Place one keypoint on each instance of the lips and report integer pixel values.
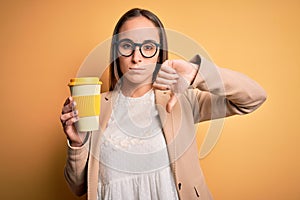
(136, 68)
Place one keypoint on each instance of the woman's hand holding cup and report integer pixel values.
(68, 118)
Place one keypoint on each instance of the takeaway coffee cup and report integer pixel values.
(86, 93)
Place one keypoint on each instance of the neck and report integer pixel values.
(135, 90)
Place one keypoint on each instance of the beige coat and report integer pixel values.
(215, 93)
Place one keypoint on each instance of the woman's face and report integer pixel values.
(136, 68)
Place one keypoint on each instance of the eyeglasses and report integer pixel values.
(148, 48)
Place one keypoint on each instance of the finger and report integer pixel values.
(160, 86)
(68, 100)
(167, 75)
(69, 107)
(164, 81)
(167, 67)
(172, 101)
(65, 117)
(71, 121)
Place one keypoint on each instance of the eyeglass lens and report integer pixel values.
(148, 48)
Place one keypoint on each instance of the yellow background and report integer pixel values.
(43, 43)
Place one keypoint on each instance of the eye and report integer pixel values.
(149, 46)
(126, 45)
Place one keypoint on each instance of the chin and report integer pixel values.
(138, 79)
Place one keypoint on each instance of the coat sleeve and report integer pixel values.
(219, 92)
(76, 167)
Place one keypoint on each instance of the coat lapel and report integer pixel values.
(105, 113)
(161, 98)
(170, 121)
(106, 109)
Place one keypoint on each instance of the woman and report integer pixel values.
(146, 146)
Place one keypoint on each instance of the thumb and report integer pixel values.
(172, 101)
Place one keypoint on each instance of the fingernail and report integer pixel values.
(74, 104)
(75, 112)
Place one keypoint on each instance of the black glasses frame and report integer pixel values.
(134, 45)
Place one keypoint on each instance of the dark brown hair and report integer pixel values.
(114, 68)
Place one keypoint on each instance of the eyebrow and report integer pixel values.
(145, 41)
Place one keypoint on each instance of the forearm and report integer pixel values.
(76, 168)
(237, 92)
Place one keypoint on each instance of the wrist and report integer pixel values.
(76, 144)
(193, 73)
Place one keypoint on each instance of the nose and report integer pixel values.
(137, 56)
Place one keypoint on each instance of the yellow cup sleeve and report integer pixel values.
(87, 105)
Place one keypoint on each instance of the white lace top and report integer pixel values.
(134, 162)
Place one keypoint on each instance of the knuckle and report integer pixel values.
(62, 117)
(69, 122)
